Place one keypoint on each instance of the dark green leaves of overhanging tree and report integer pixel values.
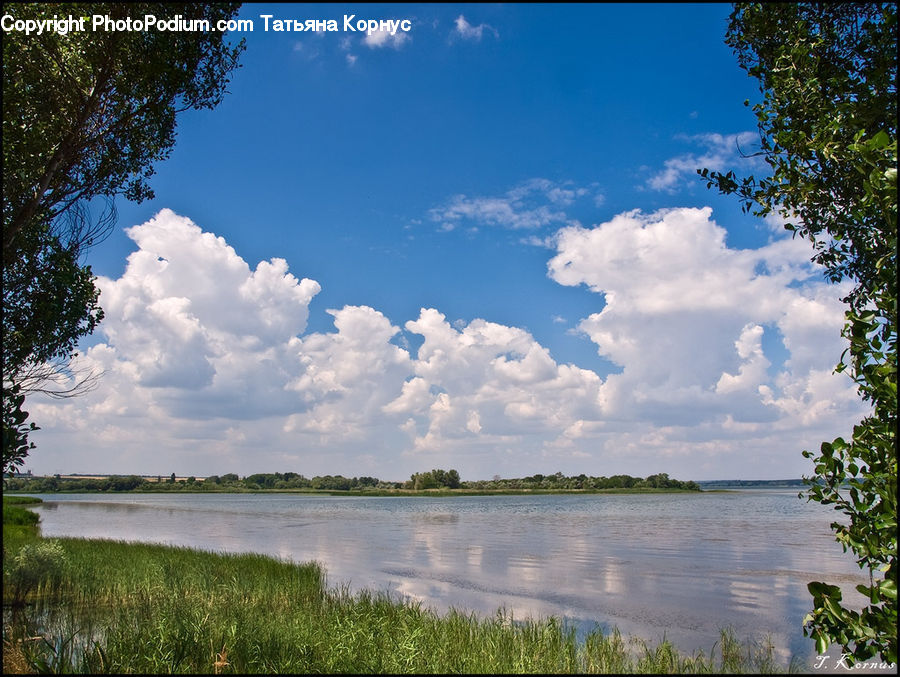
(85, 117)
(88, 114)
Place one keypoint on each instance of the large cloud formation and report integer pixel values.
(684, 318)
(207, 367)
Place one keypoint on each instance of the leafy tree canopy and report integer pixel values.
(828, 132)
(85, 117)
(88, 113)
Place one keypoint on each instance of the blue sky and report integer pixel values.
(501, 210)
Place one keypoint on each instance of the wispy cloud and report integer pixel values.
(719, 152)
(305, 50)
(385, 39)
(467, 31)
(533, 204)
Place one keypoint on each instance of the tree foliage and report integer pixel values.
(828, 132)
(15, 431)
(85, 117)
(88, 113)
(435, 478)
(420, 481)
(49, 303)
(581, 482)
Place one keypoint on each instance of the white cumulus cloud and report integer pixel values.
(208, 366)
(207, 362)
(685, 315)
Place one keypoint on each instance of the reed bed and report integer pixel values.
(15, 515)
(116, 607)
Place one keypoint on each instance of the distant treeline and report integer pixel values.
(226, 482)
(432, 479)
(752, 483)
(583, 482)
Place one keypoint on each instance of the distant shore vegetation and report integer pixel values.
(435, 481)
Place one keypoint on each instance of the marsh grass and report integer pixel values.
(14, 515)
(139, 608)
(19, 525)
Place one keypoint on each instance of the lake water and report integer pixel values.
(675, 565)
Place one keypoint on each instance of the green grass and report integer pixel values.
(20, 500)
(19, 522)
(18, 516)
(114, 607)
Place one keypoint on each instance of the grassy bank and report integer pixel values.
(20, 500)
(92, 606)
(19, 523)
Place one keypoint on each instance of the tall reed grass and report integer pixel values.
(115, 607)
(14, 514)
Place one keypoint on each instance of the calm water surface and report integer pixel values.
(679, 565)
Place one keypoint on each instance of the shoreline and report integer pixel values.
(397, 493)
